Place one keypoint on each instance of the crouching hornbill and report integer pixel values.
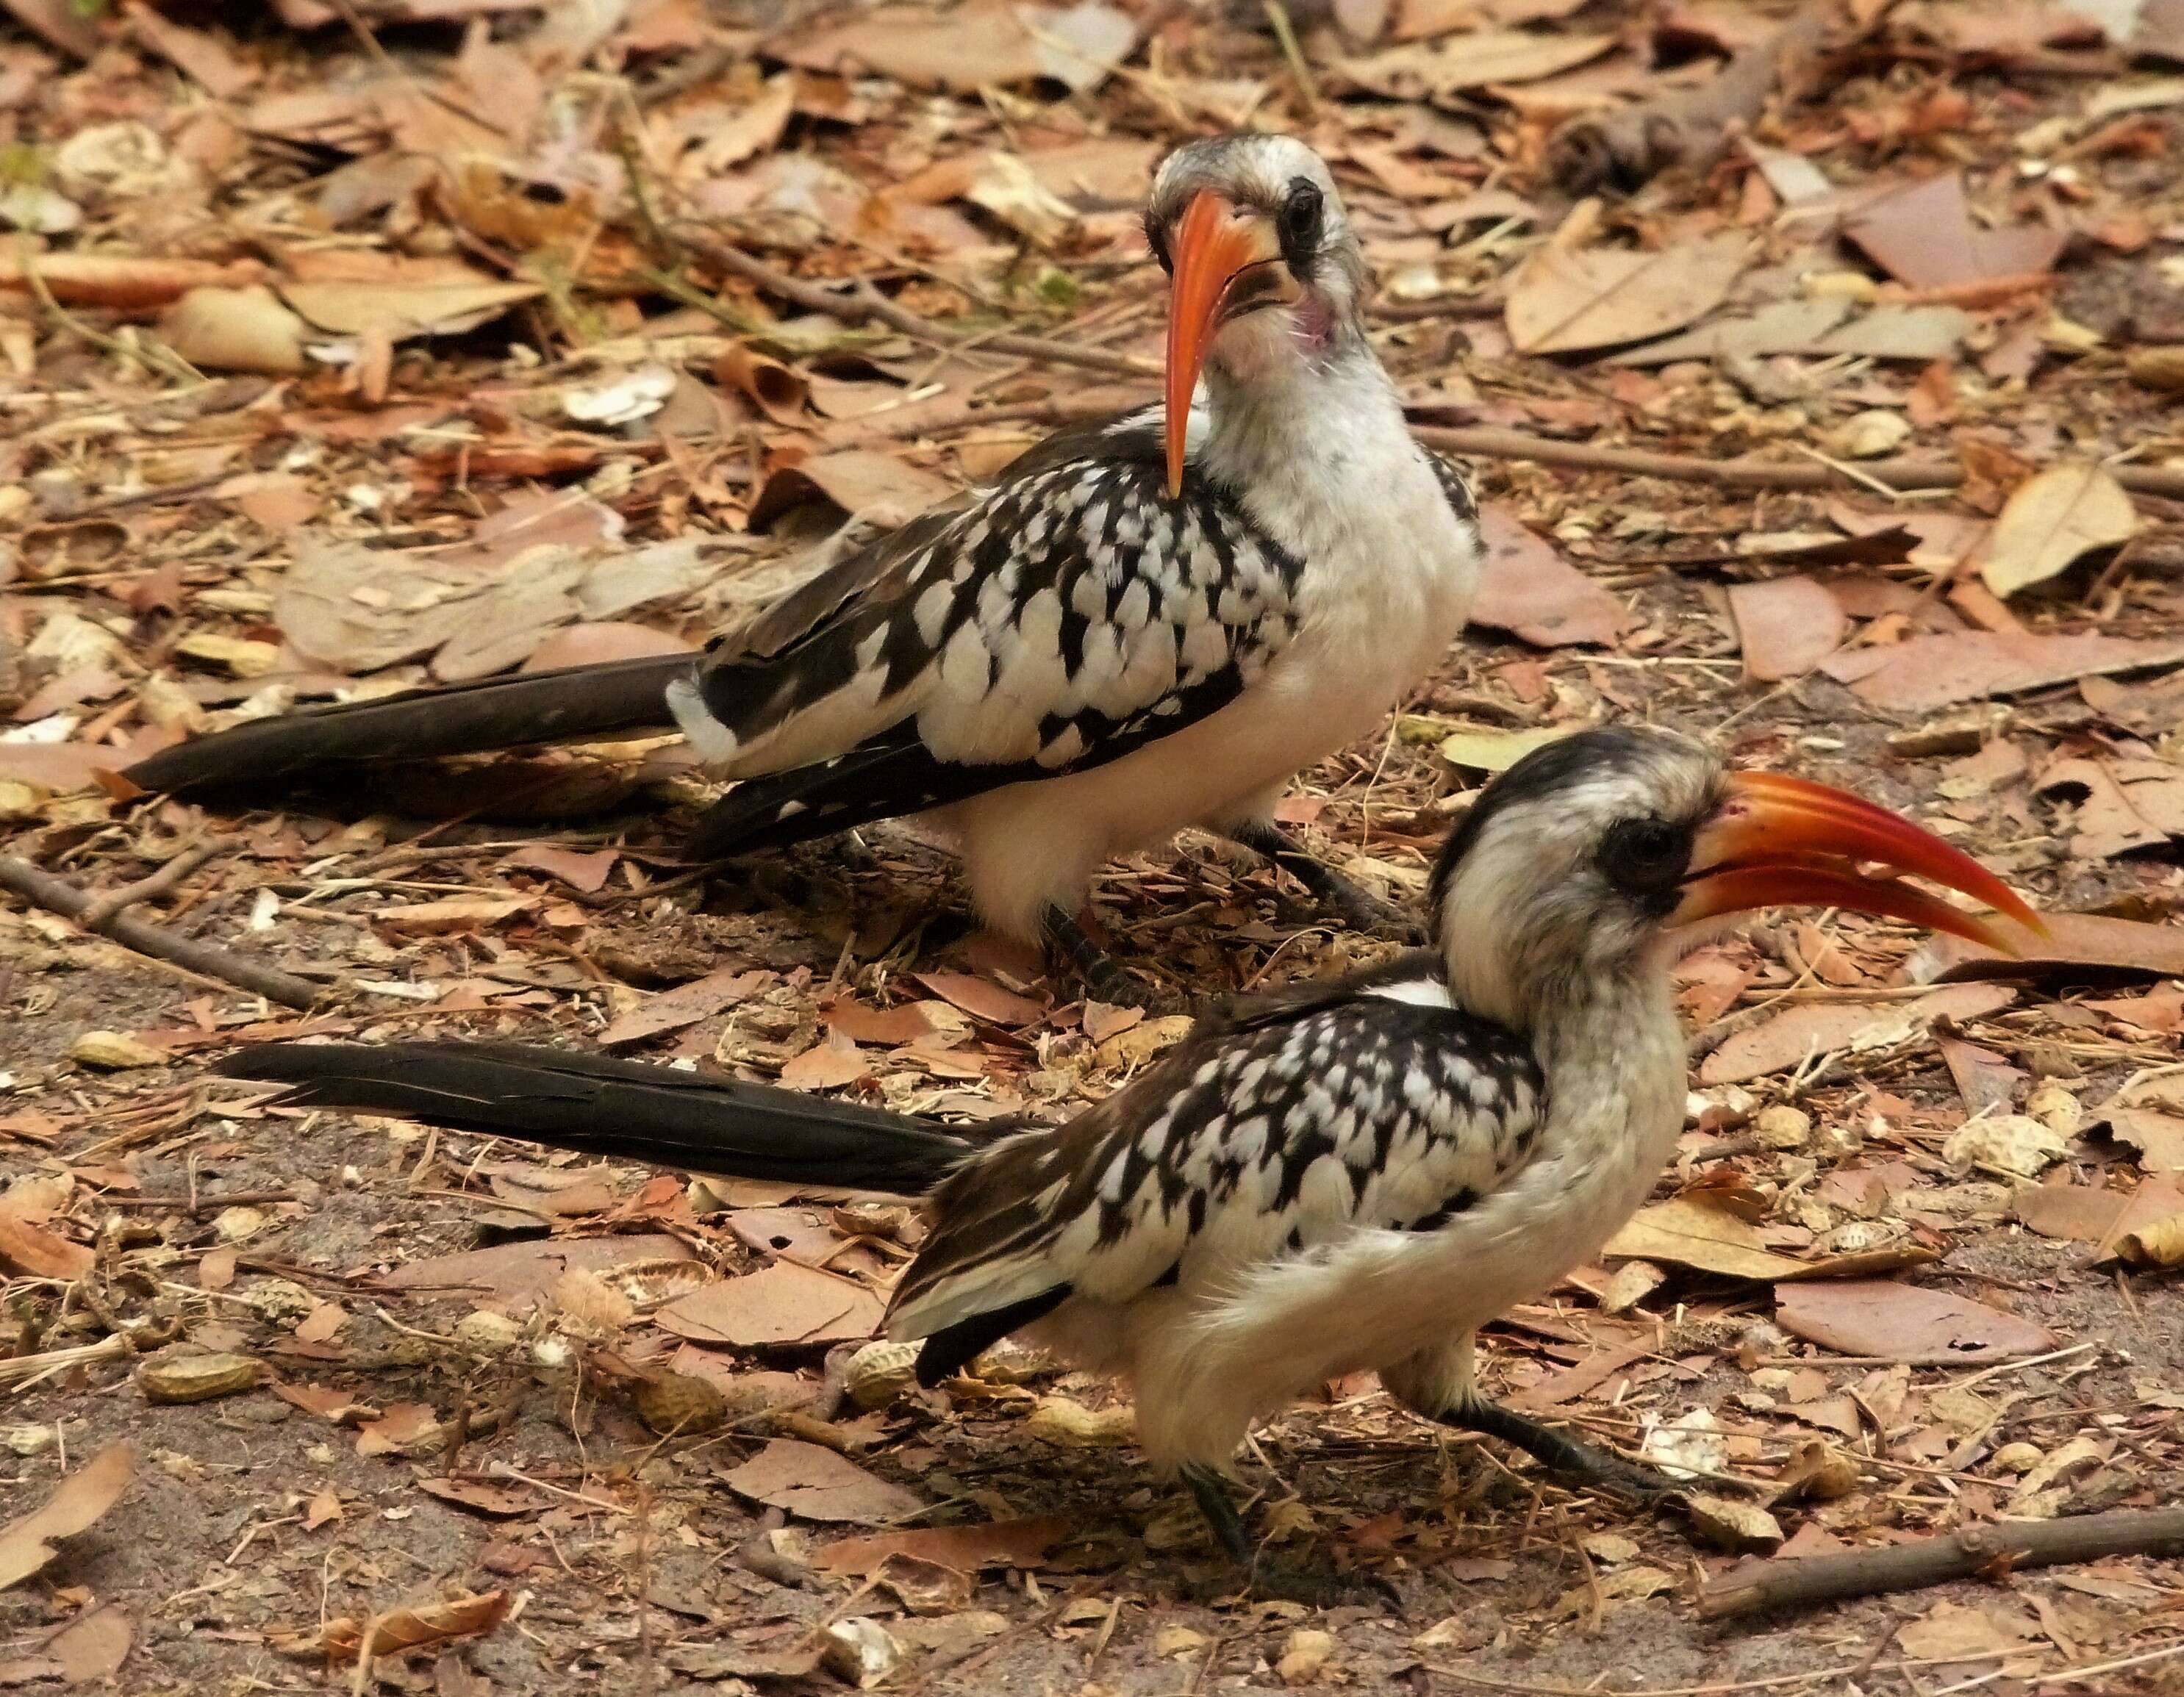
(1341, 1177)
(1146, 624)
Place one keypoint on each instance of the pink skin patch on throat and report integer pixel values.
(1312, 322)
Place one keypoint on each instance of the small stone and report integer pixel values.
(1632, 1284)
(1868, 434)
(859, 1650)
(238, 1225)
(676, 1404)
(1177, 1641)
(2017, 1458)
(486, 1328)
(1781, 1126)
(113, 1051)
(1304, 1656)
(1734, 1526)
(2052, 1104)
(2007, 1142)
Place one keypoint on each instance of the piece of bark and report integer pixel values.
(1627, 147)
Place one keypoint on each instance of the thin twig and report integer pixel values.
(105, 909)
(57, 895)
(865, 304)
(1736, 474)
(1967, 1553)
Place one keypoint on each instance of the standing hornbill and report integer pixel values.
(1150, 623)
(1345, 1175)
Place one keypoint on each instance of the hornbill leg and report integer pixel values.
(1318, 1587)
(1101, 976)
(1359, 908)
(1560, 1453)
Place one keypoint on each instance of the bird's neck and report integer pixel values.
(1598, 1031)
(1290, 412)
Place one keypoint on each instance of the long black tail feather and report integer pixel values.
(604, 700)
(619, 1108)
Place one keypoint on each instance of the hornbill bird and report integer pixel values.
(1339, 1177)
(1146, 623)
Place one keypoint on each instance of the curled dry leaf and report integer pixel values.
(1564, 300)
(36, 1253)
(464, 1616)
(28, 1543)
(1970, 665)
(2052, 521)
(785, 1303)
(967, 1549)
(1435, 71)
(198, 1378)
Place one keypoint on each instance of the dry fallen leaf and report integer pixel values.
(1438, 69)
(1922, 235)
(812, 1481)
(782, 1304)
(1528, 589)
(1563, 300)
(2052, 521)
(29, 1542)
(968, 1549)
(684, 1005)
(1794, 1036)
(1938, 671)
(464, 1616)
(1903, 1322)
(1785, 626)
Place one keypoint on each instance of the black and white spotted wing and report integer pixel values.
(1071, 613)
(1275, 1133)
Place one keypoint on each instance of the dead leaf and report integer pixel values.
(812, 1481)
(578, 870)
(976, 46)
(29, 1542)
(1922, 235)
(2051, 521)
(1527, 589)
(2159, 1138)
(967, 1549)
(785, 1303)
(1960, 1631)
(398, 307)
(499, 1502)
(2072, 939)
(39, 1253)
(981, 999)
(1435, 71)
(92, 1647)
(1785, 626)
(1565, 300)
(685, 1005)
(452, 914)
(2157, 1243)
(828, 1064)
(400, 1629)
(1928, 672)
(1794, 1036)
(2124, 804)
(1496, 751)
(2092, 1214)
(519, 1276)
(1691, 1232)
(1907, 1323)
(878, 487)
(596, 641)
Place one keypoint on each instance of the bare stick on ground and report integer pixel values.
(1630, 144)
(865, 305)
(1970, 1553)
(209, 960)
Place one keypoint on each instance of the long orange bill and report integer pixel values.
(1785, 841)
(1213, 246)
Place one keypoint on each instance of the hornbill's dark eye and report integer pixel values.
(1157, 239)
(1646, 856)
(1299, 225)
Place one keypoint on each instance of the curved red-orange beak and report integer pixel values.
(1782, 841)
(1215, 243)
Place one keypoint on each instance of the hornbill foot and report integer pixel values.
(1102, 976)
(1316, 1587)
(1358, 907)
(1586, 1464)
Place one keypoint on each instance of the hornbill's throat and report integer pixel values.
(1227, 262)
(1785, 840)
